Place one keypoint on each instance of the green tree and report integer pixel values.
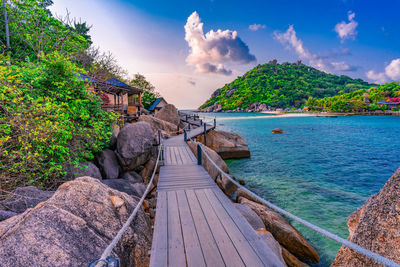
(149, 91)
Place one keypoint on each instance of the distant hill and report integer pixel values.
(280, 86)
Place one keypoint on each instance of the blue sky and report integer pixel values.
(356, 38)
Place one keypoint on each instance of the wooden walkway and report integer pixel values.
(196, 224)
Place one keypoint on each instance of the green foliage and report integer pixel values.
(358, 100)
(48, 118)
(282, 85)
(149, 92)
(35, 32)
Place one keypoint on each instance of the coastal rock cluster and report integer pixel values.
(73, 225)
(255, 107)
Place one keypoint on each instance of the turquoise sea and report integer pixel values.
(321, 169)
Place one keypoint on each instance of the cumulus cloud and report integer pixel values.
(347, 30)
(255, 27)
(208, 52)
(289, 38)
(391, 73)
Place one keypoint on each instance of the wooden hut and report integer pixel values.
(117, 96)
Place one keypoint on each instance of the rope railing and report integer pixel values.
(357, 248)
(105, 259)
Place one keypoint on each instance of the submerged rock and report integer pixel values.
(135, 145)
(227, 145)
(284, 232)
(169, 113)
(25, 197)
(73, 227)
(375, 226)
(278, 130)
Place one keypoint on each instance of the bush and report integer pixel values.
(48, 118)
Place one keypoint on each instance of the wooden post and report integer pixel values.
(215, 122)
(205, 134)
(186, 117)
(189, 126)
(199, 155)
(184, 135)
(159, 137)
(201, 122)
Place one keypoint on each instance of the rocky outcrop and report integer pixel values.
(73, 227)
(268, 238)
(284, 232)
(227, 145)
(291, 260)
(216, 107)
(83, 169)
(375, 226)
(135, 145)
(24, 198)
(108, 164)
(132, 177)
(169, 113)
(156, 124)
(148, 170)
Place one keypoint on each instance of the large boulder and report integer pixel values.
(132, 177)
(268, 238)
(228, 145)
(291, 260)
(157, 124)
(135, 145)
(148, 169)
(251, 217)
(25, 197)
(108, 164)
(82, 169)
(375, 226)
(284, 232)
(123, 185)
(169, 113)
(74, 226)
(6, 214)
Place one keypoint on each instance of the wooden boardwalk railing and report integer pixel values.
(196, 224)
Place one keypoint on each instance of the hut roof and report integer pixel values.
(155, 103)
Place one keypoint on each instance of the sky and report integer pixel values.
(188, 49)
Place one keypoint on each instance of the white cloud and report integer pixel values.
(347, 30)
(255, 27)
(391, 73)
(208, 52)
(393, 69)
(289, 38)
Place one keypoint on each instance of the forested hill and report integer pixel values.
(281, 86)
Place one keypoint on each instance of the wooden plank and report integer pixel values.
(259, 246)
(159, 255)
(209, 247)
(176, 251)
(246, 252)
(173, 158)
(179, 158)
(194, 253)
(228, 251)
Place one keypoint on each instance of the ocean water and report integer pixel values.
(321, 169)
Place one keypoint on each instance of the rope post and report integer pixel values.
(201, 122)
(205, 134)
(199, 155)
(185, 135)
(189, 126)
(159, 137)
(186, 117)
(215, 122)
